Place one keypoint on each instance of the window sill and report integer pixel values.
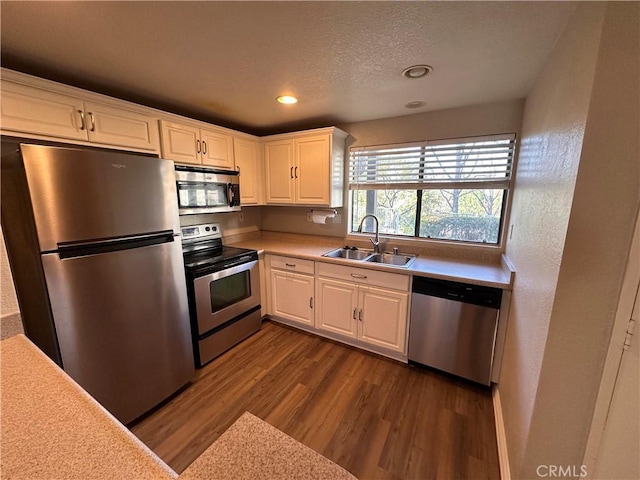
(432, 246)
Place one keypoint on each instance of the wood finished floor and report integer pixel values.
(378, 418)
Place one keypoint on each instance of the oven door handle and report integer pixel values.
(228, 271)
(236, 263)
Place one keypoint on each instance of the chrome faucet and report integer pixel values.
(376, 242)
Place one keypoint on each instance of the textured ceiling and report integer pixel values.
(227, 61)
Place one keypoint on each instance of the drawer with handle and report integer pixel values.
(292, 264)
(364, 276)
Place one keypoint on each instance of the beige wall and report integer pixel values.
(474, 120)
(230, 223)
(499, 117)
(294, 220)
(576, 197)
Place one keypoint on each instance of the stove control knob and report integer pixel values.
(207, 228)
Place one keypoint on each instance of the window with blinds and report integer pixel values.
(446, 189)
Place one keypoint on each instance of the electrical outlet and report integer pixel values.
(309, 217)
(241, 217)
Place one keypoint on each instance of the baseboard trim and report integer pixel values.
(503, 456)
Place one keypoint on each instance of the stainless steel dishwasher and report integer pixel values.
(453, 327)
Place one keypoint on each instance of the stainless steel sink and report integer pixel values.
(398, 260)
(390, 259)
(348, 254)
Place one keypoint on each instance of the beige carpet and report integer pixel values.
(252, 449)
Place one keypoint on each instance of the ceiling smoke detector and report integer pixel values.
(417, 71)
(416, 104)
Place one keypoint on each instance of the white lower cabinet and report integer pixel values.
(363, 308)
(383, 317)
(337, 307)
(291, 293)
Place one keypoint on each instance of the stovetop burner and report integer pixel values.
(204, 253)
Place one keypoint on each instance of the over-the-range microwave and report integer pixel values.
(206, 190)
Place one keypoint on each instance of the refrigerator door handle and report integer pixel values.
(71, 250)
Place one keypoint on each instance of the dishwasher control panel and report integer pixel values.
(461, 292)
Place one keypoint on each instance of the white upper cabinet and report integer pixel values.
(279, 165)
(305, 168)
(312, 170)
(247, 155)
(31, 110)
(36, 111)
(180, 142)
(189, 143)
(217, 149)
(115, 126)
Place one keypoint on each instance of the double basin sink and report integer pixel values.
(391, 259)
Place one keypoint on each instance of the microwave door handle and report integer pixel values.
(232, 195)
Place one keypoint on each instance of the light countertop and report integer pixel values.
(52, 428)
(251, 449)
(498, 275)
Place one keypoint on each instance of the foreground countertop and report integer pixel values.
(251, 449)
(52, 428)
(478, 273)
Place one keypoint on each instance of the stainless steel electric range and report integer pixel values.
(223, 286)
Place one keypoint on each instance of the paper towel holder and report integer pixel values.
(321, 215)
(327, 211)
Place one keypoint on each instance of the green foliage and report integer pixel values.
(461, 227)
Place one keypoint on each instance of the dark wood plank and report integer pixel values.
(376, 417)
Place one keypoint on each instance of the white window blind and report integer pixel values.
(479, 162)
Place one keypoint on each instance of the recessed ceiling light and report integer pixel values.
(416, 104)
(417, 71)
(287, 99)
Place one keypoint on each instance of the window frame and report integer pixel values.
(506, 185)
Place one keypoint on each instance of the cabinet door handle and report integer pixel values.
(292, 265)
(197, 146)
(93, 122)
(296, 172)
(291, 173)
(310, 302)
(83, 125)
(355, 275)
(204, 147)
(360, 315)
(354, 313)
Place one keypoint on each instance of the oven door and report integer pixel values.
(222, 296)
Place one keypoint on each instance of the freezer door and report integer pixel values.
(80, 194)
(122, 321)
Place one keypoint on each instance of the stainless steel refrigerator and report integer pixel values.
(94, 248)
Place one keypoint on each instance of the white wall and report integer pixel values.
(576, 197)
